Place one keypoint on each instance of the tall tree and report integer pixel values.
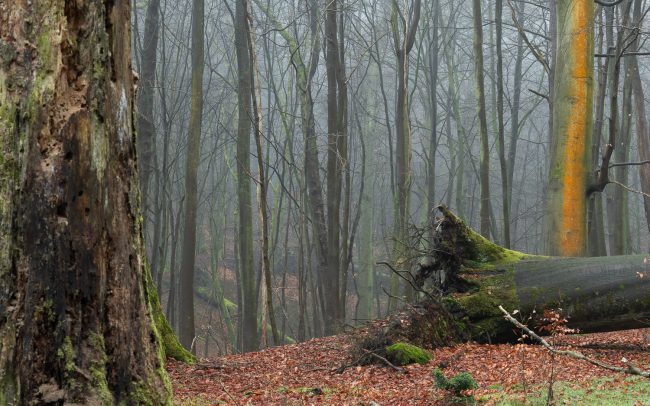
(643, 136)
(403, 29)
(334, 169)
(484, 171)
(432, 74)
(248, 332)
(145, 123)
(572, 125)
(71, 250)
(505, 190)
(186, 297)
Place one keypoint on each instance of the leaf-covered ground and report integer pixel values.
(305, 374)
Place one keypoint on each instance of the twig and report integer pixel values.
(390, 364)
(223, 387)
(630, 369)
(410, 282)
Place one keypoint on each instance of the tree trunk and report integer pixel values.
(595, 214)
(596, 294)
(643, 139)
(245, 240)
(71, 251)
(403, 40)
(480, 97)
(146, 128)
(501, 139)
(334, 171)
(572, 126)
(186, 316)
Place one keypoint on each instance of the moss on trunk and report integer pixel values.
(170, 345)
(472, 276)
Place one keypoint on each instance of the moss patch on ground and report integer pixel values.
(404, 354)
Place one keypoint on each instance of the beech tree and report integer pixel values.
(71, 250)
(572, 127)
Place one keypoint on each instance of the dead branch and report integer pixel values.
(387, 362)
(629, 369)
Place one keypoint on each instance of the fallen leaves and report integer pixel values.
(304, 374)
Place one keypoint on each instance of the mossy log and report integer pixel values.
(475, 276)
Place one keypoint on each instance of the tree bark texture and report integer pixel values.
(245, 118)
(595, 294)
(484, 171)
(572, 127)
(145, 119)
(71, 251)
(186, 294)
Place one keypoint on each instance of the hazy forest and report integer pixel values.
(373, 202)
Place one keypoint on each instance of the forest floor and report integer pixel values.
(507, 374)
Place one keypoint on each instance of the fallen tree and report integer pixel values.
(465, 278)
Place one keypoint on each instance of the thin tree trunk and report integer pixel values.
(403, 40)
(334, 174)
(482, 116)
(145, 123)
(262, 183)
(501, 140)
(643, 142)
(245, 241)
(186, 317)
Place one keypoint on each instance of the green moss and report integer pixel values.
(404, 354)
(66, 354)
(474, 249)
(45, 311)
(481, 304)
(99, 383)
(459, 383)
(170, 345)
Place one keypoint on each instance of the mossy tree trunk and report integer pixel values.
(186, 294)
(572, 127)
(596, 294)
(71, 250)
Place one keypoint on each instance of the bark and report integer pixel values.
(643, 141)
(434, 51)
(245, 241)
(403, 39)
(596, 294)
(501, 139)
(366, 276)
(186, 297)
(334, 171)
(516, 105)
(262, 183)
(145, 123)
(71, 249)
(595, 215)
(484, 171)
(618, 210)
(572, 127)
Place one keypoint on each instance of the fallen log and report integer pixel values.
(465, 278)
(474, 276)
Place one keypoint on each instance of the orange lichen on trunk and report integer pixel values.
(574, 179)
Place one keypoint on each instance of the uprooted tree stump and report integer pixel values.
(465, 278)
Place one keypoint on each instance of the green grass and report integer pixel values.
(603, 391)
